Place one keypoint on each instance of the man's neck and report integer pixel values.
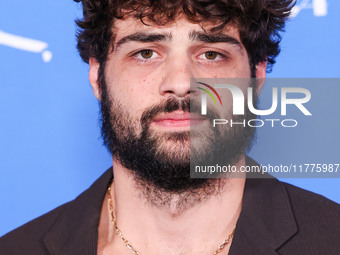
(199, 229)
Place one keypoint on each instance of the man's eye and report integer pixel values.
(211, 55)
(146, 54)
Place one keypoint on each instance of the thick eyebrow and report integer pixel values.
(144, 37)
(193, 35)
(214, 38)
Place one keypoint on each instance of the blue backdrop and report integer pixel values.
(50, 145)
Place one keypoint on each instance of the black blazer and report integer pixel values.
(276, 218)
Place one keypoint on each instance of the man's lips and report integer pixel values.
(177, 119)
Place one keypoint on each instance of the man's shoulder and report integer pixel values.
(317, 219)
(300, 199)
(303, 203)
(278, 217)
(310, 204)
(25, 238)
(53, 230)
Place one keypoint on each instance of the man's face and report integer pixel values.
(146, 88)
(141, 74)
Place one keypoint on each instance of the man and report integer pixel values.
(142, 55)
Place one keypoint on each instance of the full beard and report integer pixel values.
(160, 161)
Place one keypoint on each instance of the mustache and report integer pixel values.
(172, 104)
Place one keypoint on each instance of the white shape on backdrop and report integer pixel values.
(319, 7)
(26, 44)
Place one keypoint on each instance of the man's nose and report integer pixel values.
(176, 79)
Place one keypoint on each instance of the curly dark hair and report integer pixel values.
(259, 22)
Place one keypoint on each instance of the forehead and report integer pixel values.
(181, 27)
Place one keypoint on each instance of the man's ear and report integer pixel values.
(93, 77)
(261, 75)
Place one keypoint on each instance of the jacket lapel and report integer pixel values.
(266, 221)
(75, 231)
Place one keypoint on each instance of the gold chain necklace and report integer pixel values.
(129, 245)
